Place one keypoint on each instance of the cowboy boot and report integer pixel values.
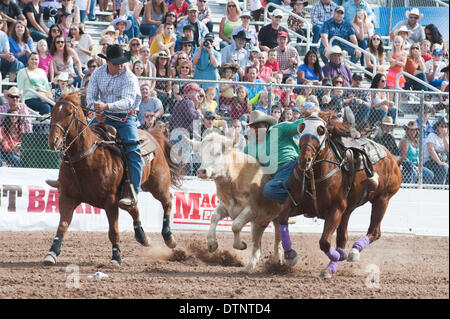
(371, 183)
(52, 183)
(128, 200)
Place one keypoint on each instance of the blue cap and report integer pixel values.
(307, 105)
(438, 51)
(295, 109)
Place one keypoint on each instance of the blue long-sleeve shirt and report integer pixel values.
(15, 49)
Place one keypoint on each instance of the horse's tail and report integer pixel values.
(176, 172)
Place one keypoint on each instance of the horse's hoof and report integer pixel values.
(249, 269)
(213, 247)
(326, 274)
(115, 263)
(291, 262)
(354, 255)
(50, 259)
(171, 243)
(290, 258)
(241, 246)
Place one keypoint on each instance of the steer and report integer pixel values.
(239, 185)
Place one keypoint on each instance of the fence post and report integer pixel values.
(421, 115)
(269, 97)
(391, 3)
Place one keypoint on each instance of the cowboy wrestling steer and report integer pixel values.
(240, 182)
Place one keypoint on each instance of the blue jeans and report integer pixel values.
(128, 133)
(91, 15)
(361, 112)
(10, 67)
(277, 188)
(133, 32)
(148, 29)
(10, 158)
(376, 115)
(82, 16)
(411, 176)
(316, 33)
(440, 172)
(37, 105)
(416, 86)
(36, 35)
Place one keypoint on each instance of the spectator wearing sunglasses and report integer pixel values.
(412, 24)
(13, 96)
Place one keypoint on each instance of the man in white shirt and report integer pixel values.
(435, 76)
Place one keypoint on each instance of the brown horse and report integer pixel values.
(319, 188)
(92, 172)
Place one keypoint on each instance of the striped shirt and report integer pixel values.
(283, 60)
(321, 13)
(121, 92)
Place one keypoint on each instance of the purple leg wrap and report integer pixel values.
(285, 238)
(291, 254)
(342, 253)
(362, 243)
(333, 255)
(332, 266)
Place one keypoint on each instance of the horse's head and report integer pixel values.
(65, 115)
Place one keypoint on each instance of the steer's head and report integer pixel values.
(215, 151)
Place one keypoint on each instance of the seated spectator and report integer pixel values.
(185, 71)
(253, 89)
(265, 72)
(61, 82)
(227, 72)
(31, 77)
(287, 115)
(376, 48)
(186, 110)
(132, 10)
(64, 22)
(150, 121)
(181, 57)
(236, 133)
(397, 61)
(211, 124)
(272, 61)
(409, 152)
(122, 25)
(163, 88)
(324, 95)
(412, 24)
(138, 70)
(385, 137)
(276, 113)
(382, 103)
(437, 151)
(71, 8)
(207, 62)
(35, 20)
(20, 43)
(102, 46)
(10, 138)
(263, 104)
(434, 73)
(241, 105)
(296, 24)
(358, 100)
(321, 12)
(81, 42)
(45, 57)
(352, 8)
(204, 14)
(287, 56)
(249, 33)
(110, 31)
(427, 126)
(435, 37)
(53, 32)
(187, 51)
(187, 38)
(229, 22)
(336, 66)
(13, 96)
(364, 29)
(267, 36)
(64, 59)
(365, 130)
(336, 104)
(443, 99)
(404, 33)
(149, 104)
(310, 70)
(236, 53)
(337, 26)
(425, 52)
(154, 12)
(149, 67)
(135, 46)
(288, 98)
(415, 65)
(253, 57)
(8, 62)
(296, 114)
(210, 100)
(164, 41)
(11, 13)
(180, 7)
(200, 27)
(304, 93)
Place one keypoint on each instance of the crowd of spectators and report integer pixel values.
(44, 46)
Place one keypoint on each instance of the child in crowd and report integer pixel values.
(45, 57)
(397, 61)
(272, 60)
(296, 24)
(61, 82)
(227, 73)
(122, 25)
(263, 102)
(425, 50)
(188, 35)
(288, 98)
(210, 100)
(304, 95)
(241, 104)
(287, 115)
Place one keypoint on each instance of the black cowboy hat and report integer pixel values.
(115, 54)
(241, 34)
(185, 40)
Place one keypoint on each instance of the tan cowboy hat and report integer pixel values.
(412, 125)
(234, 68)
(335, 50)
(63, 76)
(14, 91)
(403, 28)
(110, 29)
(260, 117)
(414, 11)
(160, 54)
(387, 120)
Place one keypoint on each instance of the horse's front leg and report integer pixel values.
(332, 221)
(139, 233)
(290, 255)
(219, 213)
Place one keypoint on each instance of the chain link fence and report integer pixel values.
(224, 107)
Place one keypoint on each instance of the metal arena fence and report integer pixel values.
(365, 109)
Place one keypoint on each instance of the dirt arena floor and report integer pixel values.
(394, 267)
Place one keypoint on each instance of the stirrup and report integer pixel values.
(52, 183)
(129, 201)
(372, 182)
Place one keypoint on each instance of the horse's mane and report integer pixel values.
(335, 126)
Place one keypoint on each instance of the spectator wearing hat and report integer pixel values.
(337, 26)
(227, 72)
(294, 23)
(186, 110)
(122, 25)
(385, 136)
(412, 24)
(267, 36)
(434, 67)
(186, 39)
(365, 130)
(437, 152)
(153, 17)
(61, 82)
(335, 66)
(207, 62)
(321, 12)
(287, 56)
(164, 41)
(236, 53)
(200, 29)
(149, 103)
(209, 126)
(404, 33)
(10, 12)
(13, 96)
(35, 20)
(132, 10)
(358, 100)
(352, 6)
(204, 14)
(229, 22)
(249, 33)
(409, 152)
(163, 88)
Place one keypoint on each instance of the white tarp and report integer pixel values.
(28, 203)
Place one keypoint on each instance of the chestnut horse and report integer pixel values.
(319, 188)
(92, 171)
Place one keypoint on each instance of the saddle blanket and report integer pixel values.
(375, 152)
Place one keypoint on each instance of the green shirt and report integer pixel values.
(278, 148)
